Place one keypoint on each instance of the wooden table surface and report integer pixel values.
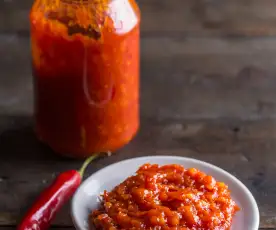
(208, 80)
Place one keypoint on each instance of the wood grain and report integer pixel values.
(193, 17)
(201, 78)
(207, 91)
(51, 228)
(244, 148)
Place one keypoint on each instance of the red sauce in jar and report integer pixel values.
(86, 88)
(168, 198)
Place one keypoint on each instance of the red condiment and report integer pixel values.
(86, 74)
(166, 198)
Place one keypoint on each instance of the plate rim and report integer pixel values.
(255, 211)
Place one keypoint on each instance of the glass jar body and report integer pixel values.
(86, 74)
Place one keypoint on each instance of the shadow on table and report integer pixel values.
(18, 141)
(26, 168)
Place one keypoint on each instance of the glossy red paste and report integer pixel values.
(86, 88)
(166, 198)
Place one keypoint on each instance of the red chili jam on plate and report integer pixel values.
(166, 197)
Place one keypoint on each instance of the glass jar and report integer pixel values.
(85, 56)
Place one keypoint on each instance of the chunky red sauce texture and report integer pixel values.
(166, 198)
(86, 88)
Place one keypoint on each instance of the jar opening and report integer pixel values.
(86, 17)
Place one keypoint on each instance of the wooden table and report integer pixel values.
(208, 80)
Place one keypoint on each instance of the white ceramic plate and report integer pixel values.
(87, 196)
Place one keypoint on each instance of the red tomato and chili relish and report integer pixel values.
(86, 74)
(166, 198)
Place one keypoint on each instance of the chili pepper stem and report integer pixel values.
(88, 161)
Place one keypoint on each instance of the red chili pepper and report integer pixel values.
(43, 211)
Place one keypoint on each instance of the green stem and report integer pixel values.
(86, 163)
(89, 160)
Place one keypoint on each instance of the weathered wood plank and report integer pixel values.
(51, 228)
(197, 17)
(182, 77)
(246, 149)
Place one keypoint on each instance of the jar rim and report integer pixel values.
(82, 1)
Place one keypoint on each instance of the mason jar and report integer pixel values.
(85, 58)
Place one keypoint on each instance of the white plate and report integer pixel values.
(86, 197)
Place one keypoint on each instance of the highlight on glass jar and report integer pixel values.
(85, 58)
